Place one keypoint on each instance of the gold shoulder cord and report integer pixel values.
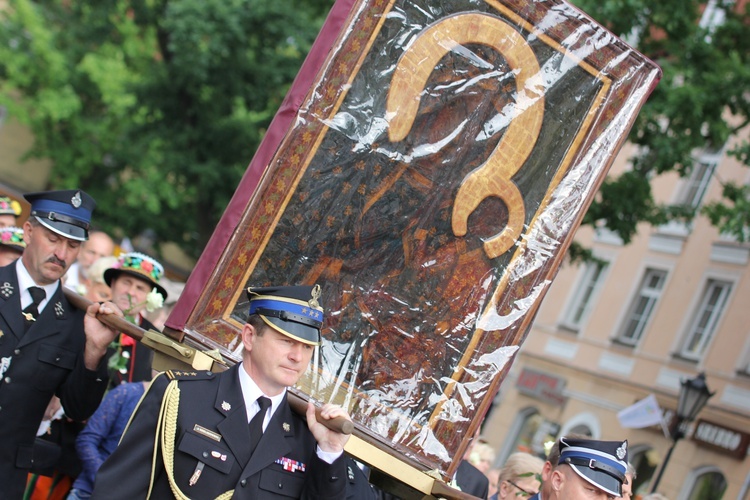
(167, 430)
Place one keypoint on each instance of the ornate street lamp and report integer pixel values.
(694, 395)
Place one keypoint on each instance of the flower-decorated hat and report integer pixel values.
(291, 310)
(600, 463)
(12, 237)
(67, 213)
(9, 206)
(139, 265)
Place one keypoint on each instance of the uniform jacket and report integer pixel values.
(212, 429)
(471, 480)
(46, 360)
(358, 484)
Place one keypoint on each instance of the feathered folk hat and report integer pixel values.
(139, 265)
(12, 237)
(9, 206)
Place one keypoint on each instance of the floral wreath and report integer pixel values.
(12, 236)
(141, 264)
(9, 207)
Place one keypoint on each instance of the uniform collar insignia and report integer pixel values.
(286, 427)
(59, 310)
(225, 406)
(6, 290)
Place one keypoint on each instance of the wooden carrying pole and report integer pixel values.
(150, 337)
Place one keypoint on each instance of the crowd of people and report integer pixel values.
(83, 415)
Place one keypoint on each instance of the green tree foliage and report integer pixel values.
(154, 107)
(702, 101)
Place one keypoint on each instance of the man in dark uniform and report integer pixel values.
(134, 282)
(47, 347)
(584, 469)
(358, 483)
(196, 435)
(471, 480)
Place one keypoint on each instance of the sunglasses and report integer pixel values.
(523, 493)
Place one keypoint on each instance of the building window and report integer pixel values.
(706, 319)
(706, 483)
(744, 364)
(529, 433)
(585, 424)
(585, 294)
(643, 306)
(696, 184)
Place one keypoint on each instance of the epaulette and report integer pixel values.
(189, 375)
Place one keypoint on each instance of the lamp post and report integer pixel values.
(694, 395)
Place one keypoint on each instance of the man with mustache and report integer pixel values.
(47, 346)
(233, 434)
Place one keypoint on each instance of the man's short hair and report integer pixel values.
(257, 322)
(519, 465)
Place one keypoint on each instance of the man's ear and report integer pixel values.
(557, 479)
(248, 334)
(502, 489)
(27, 229)
(546, 471)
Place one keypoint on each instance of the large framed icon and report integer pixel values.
(428, 170)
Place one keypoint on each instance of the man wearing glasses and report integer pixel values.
(519, 478)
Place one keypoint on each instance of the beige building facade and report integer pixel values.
(673, 303)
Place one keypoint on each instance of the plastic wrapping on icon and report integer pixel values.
(429, 172)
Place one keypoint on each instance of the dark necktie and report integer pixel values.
(31, 312)
(256, 423)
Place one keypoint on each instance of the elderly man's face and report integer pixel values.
(98, 245)
(129, 293)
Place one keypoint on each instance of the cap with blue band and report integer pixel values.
(293, 311)
(67, 213)
(601, 463)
